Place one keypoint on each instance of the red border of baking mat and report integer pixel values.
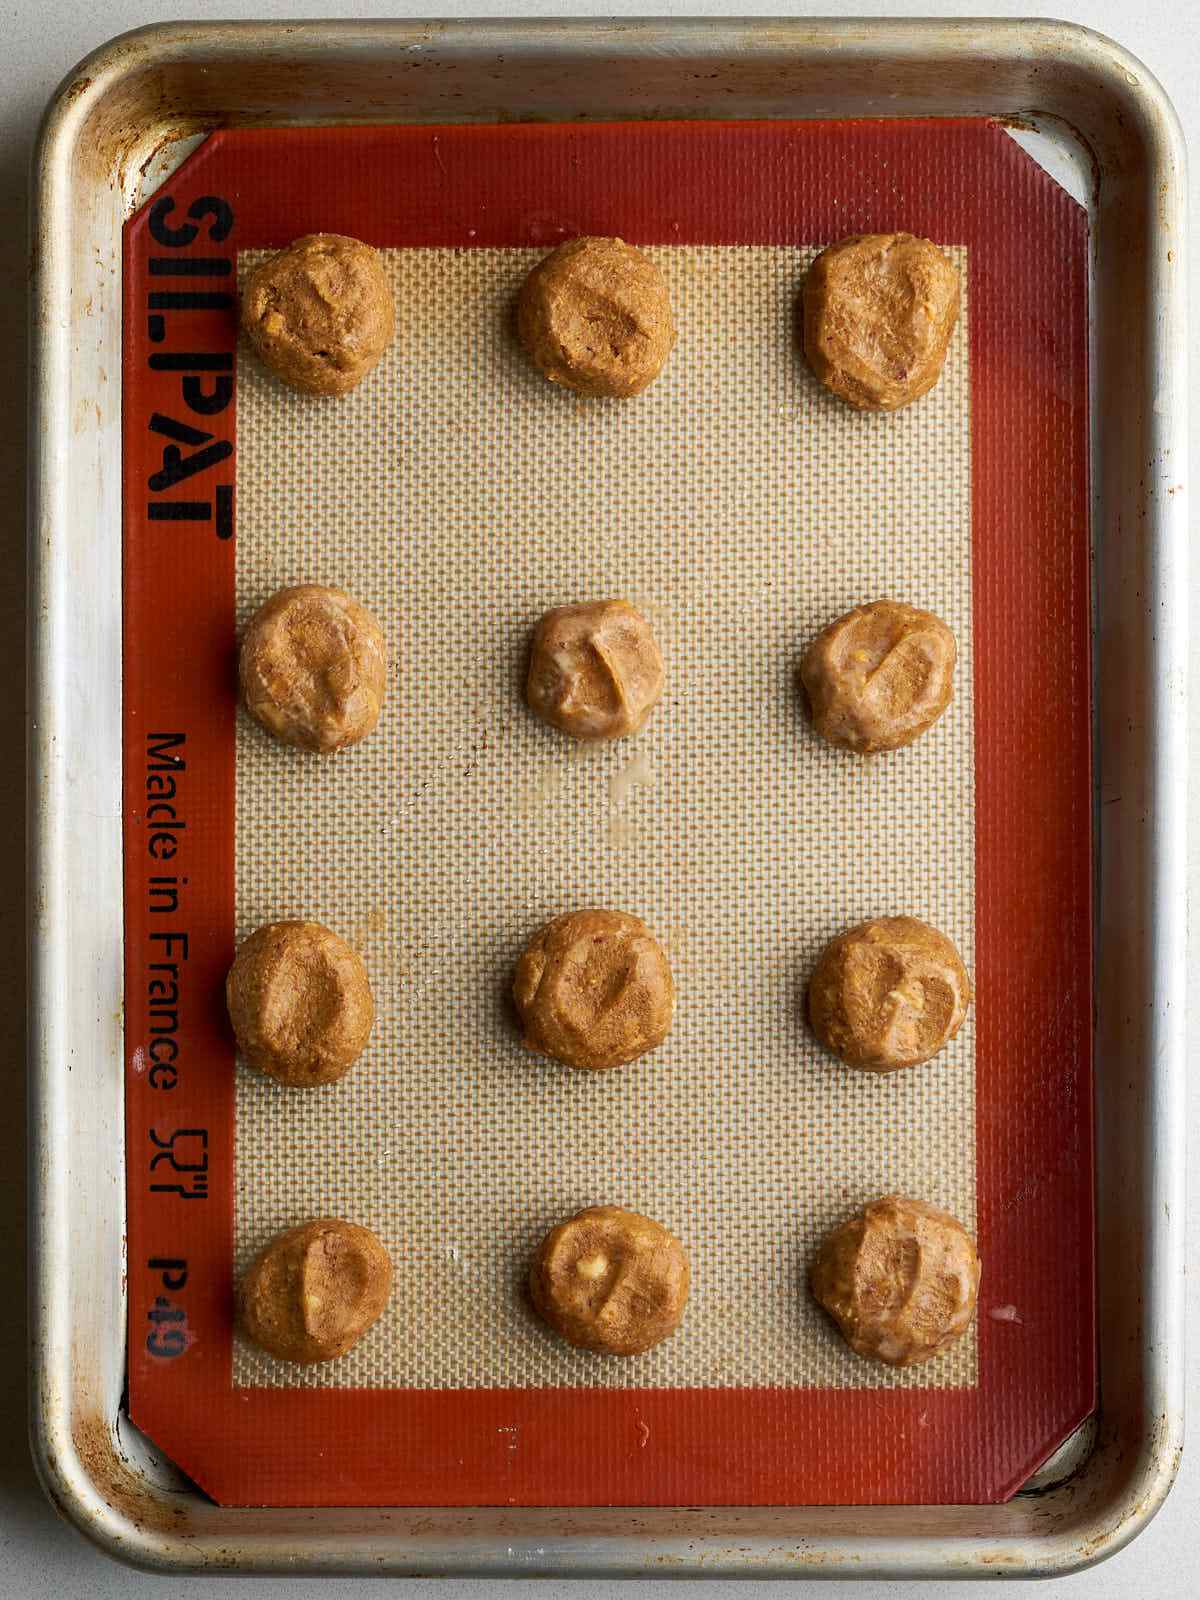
(657, 183)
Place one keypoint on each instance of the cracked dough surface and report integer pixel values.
(879, 309)
(610, 1280)
(300, 1003)
(595, 670)
(887, 994)
(900, 1279)
(320, 313)
(313, 668)
(314, 1290)
(880, 676)
(594, 989)
(594, 315)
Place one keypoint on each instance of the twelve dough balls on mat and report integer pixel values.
(300, 1003)
(594, 316)
(879, 309)
(887, 994)
(595, 671)
(900, 1279)
(314, 1290)
(313, 668)
(610, 1280)
(593, 989)
(319, 314)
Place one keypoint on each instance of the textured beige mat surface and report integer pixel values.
(458, 496)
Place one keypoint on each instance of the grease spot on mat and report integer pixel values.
(537, 796)
(621, 832)
(639, 773)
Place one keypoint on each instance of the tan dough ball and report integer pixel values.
(320, 313)
(300, 1003)
(594, 989)
(594, 315)
(900, 1279)
(595, 671)
(887, 994)
(610, 1280)
(879, 309)
(313, 668)
(314, 1291)
(878, 677)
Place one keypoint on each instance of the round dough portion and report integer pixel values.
(313, 668)
(314, 1290)
(320, 313)
(594, 989)
(878, 677)
(900, 1279)
(300, 1003)
(595, 670)
(594, 316)
(611, 1280)
(879, 309)
(887, 994)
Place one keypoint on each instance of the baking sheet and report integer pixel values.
(752, 187)
(458, 495)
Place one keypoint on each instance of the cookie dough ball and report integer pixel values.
(900, 1279)
(888, 994)
(878, 677)
(314, 1291)
(320, 313)
(314, 668)
(610, 1280)
(595, 317)
(300, 1003)
(595, 671)
(879, 309)
(594, 989)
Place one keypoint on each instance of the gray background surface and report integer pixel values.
(39, 43)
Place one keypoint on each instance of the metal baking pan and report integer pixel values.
(122, 121)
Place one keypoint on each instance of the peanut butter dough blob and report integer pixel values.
(611, 1280)
(320, 313)
(878, 677)
(314, 1290)
(595, 671)
(594, 315)
(313, 668)
(887, 994)
(900, 1279)
(879, 309)
(300, 1003)
(594, 989)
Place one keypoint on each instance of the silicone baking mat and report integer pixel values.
(458, 496)
(736, 504)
